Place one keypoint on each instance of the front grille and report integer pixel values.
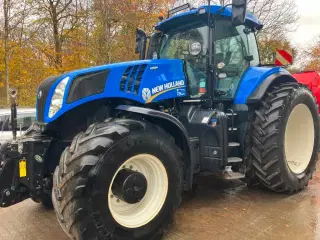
(42, 97)
(131, 79)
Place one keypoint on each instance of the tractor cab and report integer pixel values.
(216, 45)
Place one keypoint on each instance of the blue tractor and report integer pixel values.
(115, 146)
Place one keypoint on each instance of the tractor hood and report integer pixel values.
(142, 81)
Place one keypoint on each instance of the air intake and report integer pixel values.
(131, 79)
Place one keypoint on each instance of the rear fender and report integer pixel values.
(172, 126)
(273, 79)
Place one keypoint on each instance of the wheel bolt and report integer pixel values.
(124, 166)
(131, 166)
(7, 193)
(111, 196)
(118, 200)
(136, 189)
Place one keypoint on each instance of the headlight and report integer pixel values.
(57, 98)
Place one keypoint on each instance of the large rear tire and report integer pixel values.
(283, 149)
(118, 154)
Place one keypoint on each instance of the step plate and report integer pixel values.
(230, 175)
(233, 144)
(234, 159)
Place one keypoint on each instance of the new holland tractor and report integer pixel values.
(115, 146)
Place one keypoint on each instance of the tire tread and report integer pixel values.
(71, 177)
(263, 142)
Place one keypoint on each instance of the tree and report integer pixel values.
(115, 25)
(312, 57)
(14, 16)
(268, 47)
(56, 20)
(6, 10)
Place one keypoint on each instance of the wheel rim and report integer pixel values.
(140, 213)
(299, 139)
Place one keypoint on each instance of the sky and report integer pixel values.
(309, 22)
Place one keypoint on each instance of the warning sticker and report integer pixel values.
(23, 168)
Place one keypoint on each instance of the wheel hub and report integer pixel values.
(144, 170)
(130, 186)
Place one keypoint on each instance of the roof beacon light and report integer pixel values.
(179, 9)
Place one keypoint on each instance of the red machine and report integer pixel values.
(311, 79)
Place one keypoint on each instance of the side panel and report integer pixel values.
(141, 81)
(207, 130)
(252, 79)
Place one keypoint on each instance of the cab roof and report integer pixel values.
(193, 16)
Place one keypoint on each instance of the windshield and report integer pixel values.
(191, 46)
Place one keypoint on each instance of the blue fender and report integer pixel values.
(256, 81)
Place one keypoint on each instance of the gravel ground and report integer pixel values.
(219, 210)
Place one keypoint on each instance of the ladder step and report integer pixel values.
(233, 144)
(231, 114)
(234, 175)
(229, 174)
(234, 159)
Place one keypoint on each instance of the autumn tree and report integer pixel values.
(115, 25)
(14, 16)
(57, 20)
(312, 57)
(268, 48)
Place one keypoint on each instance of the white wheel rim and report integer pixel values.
(299, 138)
(141, 213)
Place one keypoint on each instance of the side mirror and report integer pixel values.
(141, 43)
(239, 11)
(154, 44)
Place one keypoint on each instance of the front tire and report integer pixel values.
(284, 139)
(88, 193)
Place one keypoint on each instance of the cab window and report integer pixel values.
(236, 50)
(189, 45)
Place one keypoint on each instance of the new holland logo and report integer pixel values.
(146, 94)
